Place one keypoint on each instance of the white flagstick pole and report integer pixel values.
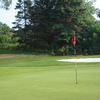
(73, 41)
(75, 65)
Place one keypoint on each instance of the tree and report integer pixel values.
(5, 3)
(62, 18)
(98, 13)
(22, 21)
(50, 23)
(5, 30)
(95, 30)
(6, 35)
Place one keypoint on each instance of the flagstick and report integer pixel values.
(73, 41)
(75, 65)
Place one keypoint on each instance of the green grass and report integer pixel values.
(40, 77)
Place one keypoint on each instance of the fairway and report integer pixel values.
(42, 77)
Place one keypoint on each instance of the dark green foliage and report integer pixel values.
(47, 25)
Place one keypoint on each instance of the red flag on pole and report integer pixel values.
(73, 39)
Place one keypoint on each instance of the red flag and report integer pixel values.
(73, 39)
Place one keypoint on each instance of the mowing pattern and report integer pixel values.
(41, 77)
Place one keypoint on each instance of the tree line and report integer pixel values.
(7, 41)
(47, 26)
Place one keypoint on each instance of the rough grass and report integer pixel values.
(41, 77)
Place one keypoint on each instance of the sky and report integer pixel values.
(8, 16)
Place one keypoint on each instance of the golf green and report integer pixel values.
(41, 77)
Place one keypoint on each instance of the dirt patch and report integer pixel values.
(10, 56)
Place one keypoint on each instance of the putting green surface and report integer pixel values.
(41, 77)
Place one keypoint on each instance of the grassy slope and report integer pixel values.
(41, 77)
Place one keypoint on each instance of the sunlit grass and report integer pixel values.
(41, 77)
